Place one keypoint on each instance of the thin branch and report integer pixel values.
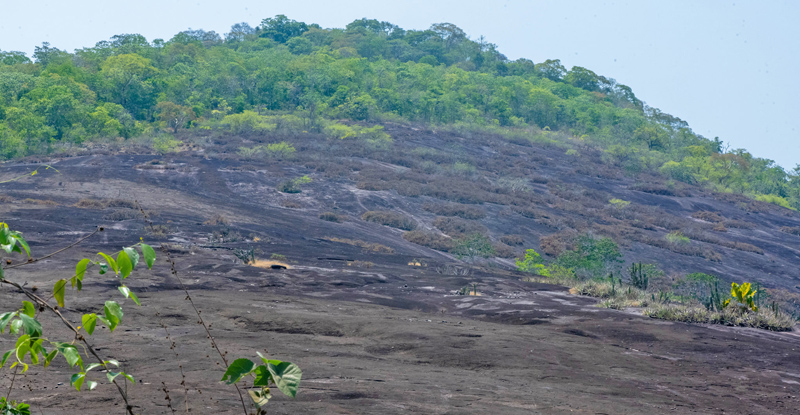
(173, 346)
(70, 246)
(33, 173)
(78, 336)
(13, 378)
(174, 272)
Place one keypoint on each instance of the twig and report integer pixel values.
(33, 173)
(202, 322)
(173, 347)
(14, 377)
(169, 400)
(72, 245)
(78, 336)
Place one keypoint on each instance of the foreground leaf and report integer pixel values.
(149, 255)
(236, 370)
(58, 291)
(89, 322)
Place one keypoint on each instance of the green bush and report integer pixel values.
(282, 150)
(293, 185)
(374, 136)
(677, 238)
(473, 247)
(164, 144)
(532, 263)
(592, 257)
(246, 123)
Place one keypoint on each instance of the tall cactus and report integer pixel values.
(639, 278)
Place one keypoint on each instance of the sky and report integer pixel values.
(726, 67)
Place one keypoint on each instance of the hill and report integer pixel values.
(386, 173)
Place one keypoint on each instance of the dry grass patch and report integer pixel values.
(502, 250)
(791, 230)
(429, 239)
(120, 215)
(291, 204)
(457, 227)
(389, 218)
(766, 320)
(512, 240)
(332, 217)
(105, 203)
(367, 246)
(453, 209)
(40, 202)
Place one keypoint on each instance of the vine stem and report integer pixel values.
(43, 303)
(202, 322)
(78, 336)
(13, 378)
(70, 246)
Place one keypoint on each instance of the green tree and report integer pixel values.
(474, 246)
(592, 257)
(127, 82)
(280, 28)
(174, 116)
(532, 263)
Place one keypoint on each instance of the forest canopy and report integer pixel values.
(368, 72)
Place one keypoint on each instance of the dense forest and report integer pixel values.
(253, 79)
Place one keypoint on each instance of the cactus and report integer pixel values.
(714, 300)
(613, 284)
(639, 278)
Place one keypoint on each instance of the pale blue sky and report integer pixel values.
(726, 67)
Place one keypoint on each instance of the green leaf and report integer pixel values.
(110, 261)
(15, 326)
(49, 358)
(2, 275)
(135, 299)
(125, 265)
(70, 353)
(5, 357)
(263, 377)
(28, 309)
(91, 384)
(129, 294)
(80, 271)
(133, 255)
(22, 339)
(77, 380)
(111, 362)
(103, 268)
(23, 244)
(127, 376)
(149, 255)
(31, 325)
(236, 370)
(58, 291)
(92, 366)
(286, 376)
(112, 375)
(5, 318)
(113, 314)
(89, 322)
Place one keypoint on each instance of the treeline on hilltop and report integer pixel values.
(370, 71)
